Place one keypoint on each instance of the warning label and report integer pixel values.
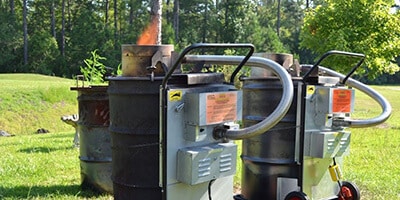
(341, 101)
(175, 95)
(310, 89)
(221, 107)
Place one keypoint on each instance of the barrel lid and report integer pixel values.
(94, 88)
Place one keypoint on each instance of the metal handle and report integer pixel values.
(279, 112)
(385, 105)
(335, 52)
(209, 45)
(82, 78)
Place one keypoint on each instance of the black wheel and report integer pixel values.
(238, 197)
(296, 196)
(349, 191)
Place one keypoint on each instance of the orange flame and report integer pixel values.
(149, 35)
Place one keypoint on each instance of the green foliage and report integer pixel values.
(229, 22)
(198, 16)
(43, 52)
(233, 20)
(118, 72)
(89, 33)
(264, 37)
(90, 25)
(291, 21)
(271, 42)
(94, 70)
(291, 18)
(362, 26)
(167, 33)
(10, 42)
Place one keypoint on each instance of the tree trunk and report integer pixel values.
(53, 20)
(176, 20)
(107, 9)
(226, 25)
(68, 26)
(25, 28)
(12, 7)
(168, 14)
(131, 13)
(204, 35)
(278, 15)
(115, 25)
(156, 11)
(63, 28)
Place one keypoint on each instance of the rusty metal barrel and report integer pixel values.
(134, 127)
(94, 138)
(270, 155)
(137, 60)
(286, 60)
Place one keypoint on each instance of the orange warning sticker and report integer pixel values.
(221, 107)
(341, 101)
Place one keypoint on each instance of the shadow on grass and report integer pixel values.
(43, 149)
(57, 135)
(396, 127)
(53, 191)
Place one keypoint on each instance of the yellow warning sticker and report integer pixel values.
(310, 89)
(175, 95)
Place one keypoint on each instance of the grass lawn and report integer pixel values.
(373, 163)
(41, 166)
(46, 166)
(30, 102)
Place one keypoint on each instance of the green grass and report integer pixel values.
(30, 101)
(41, 166)
(373, 163)
(46, 166)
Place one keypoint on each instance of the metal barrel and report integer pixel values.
(271, 154)
(136, 59)
(286, 60)
(94, 138)
(134, 127)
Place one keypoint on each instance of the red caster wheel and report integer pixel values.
(349, 191)
(296, 196)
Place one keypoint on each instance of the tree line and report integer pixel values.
(54, 37)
